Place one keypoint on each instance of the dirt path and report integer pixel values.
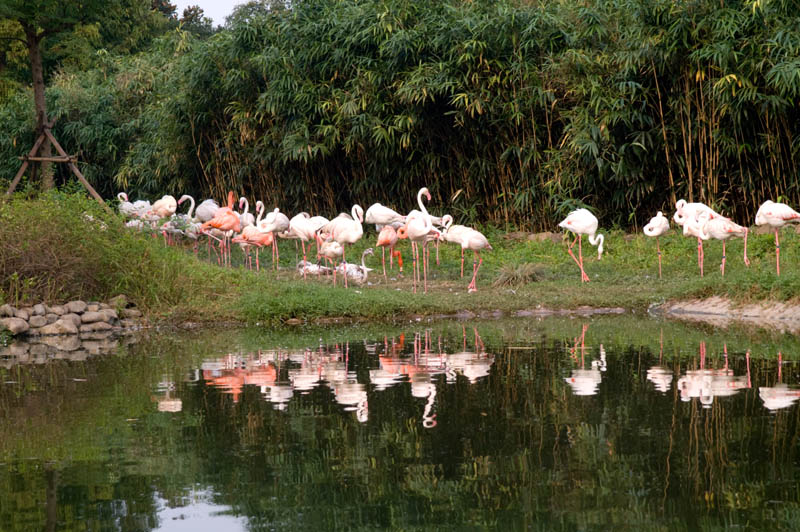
(721, 312)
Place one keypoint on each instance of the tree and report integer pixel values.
(40, 19)
(195, 21)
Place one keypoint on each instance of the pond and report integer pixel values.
(550, 424)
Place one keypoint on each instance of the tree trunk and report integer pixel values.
(34, 40)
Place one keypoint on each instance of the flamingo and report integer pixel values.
(251, 236)
(355, 272)
(690, 213)
(381, 216)
(302, 228)
(245, 217)
(582, 222)
(697, 228)
(776, 215)
(721, 228)
(452, 233)
(164, 207)
(275, 222)
(136, 209)
(388, 238)
(476, 241)
(330, 250)
(418, 226)
(225, 220)
(657, 226)
(206, 210)
(346, 230)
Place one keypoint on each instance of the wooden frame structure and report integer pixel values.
(62, 157)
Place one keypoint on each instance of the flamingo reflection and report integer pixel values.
(706, 384)
(778, 396)
(586, 381)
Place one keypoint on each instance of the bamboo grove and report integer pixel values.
(512, 112)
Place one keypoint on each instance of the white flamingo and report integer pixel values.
(776, 215)
(346, 230)
(721, 228)
(657, 226)
(582, 222)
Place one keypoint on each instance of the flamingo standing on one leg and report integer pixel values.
(721, 228)
(452, 233)
(776, 215)
(658, 225)
(582, 222)
(690, 213)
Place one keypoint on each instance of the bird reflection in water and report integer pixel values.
(660, 376)
(310, 367)
(166, 403)
(586, 381)
(778, 396)
(706, 384)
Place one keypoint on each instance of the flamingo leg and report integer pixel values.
(303, 243)
(258, 266)
(462, 263)
(700, 255)
(425, 265)
(472, 286)
(584, 277)
(658, 248)
(722, 266)
(414, 266)
(777, 253)
(746, 260)
(383, 260)
(437, 251)
(344, 261)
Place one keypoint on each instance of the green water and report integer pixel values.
(556, 424)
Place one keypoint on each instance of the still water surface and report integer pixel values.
(551, 425)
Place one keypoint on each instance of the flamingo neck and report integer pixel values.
(122, 196)
(259, 211)
(426, 217)
(246, 205)
(190, 214)
(597, 240)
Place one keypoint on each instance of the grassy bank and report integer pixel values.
(62, 246)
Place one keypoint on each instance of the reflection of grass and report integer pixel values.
(171, 284)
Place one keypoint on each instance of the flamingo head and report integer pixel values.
(403, 232)
(426, 193)
(183, 198)
(122, 196)
(447, 221)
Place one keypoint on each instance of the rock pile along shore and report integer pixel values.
(75, 317)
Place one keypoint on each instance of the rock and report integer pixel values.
(18, 349)
(127, 323)
(7, 311)
(39, 352)
(628, 237)
(104, 306)
(92, 307)
(95, 326)
(540, 237)
(22, 314)
(763, 230)
(98, 335)
(14, 325)
(37, 321)
(78, 355)
(39, 310)
(51, 318)
(118, 302)
(58, 309)
(76, 307)
(110, 314)
(74, 318)
(131, 313)
(516, 235)
(91, 316)
(63, 326)
(62, 343)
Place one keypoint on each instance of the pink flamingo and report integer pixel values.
(388, 238)
(346, 231)
(475, 241)
(582, 222)
(721, 228)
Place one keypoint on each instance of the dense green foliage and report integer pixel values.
(511, 111)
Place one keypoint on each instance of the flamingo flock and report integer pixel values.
(332, 237)
(697, 220)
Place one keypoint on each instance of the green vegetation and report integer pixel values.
(61, 245)
(516, 111)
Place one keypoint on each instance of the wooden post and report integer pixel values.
(75, 170)
(21, 171)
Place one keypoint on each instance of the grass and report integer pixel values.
(50, 250)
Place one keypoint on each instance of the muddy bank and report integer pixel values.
(722, 312)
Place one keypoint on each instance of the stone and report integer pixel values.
(39, 352)
(78, 355)
(7, 311)
(74, 318)
(91, 316)
(22, 314)
(58, 309)
(110, 314)
(62, 343)
(18, 349)
(37, 321)
(14, 325)
(92, 307)
(39, 310)
(127, 323)
(63, 326)
(95, 326)
(104, 306)
(118, 302)
(51, 318)
(131, 313)
(98, 335)
(76, 307)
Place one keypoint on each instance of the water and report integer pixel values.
(556, 424)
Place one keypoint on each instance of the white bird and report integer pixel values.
(721, 228)
(476, 241)
(686, 211)
(355, 272)
(346, 231)
(452, 233)
(136, 209)
(165, 207)
(206, 210)
(275, 222)
(417, 228)
(582, 222)
(245, 217)
(697, 228)
(657, 226)
(776, 215)
(302, 228)
(381, 215)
